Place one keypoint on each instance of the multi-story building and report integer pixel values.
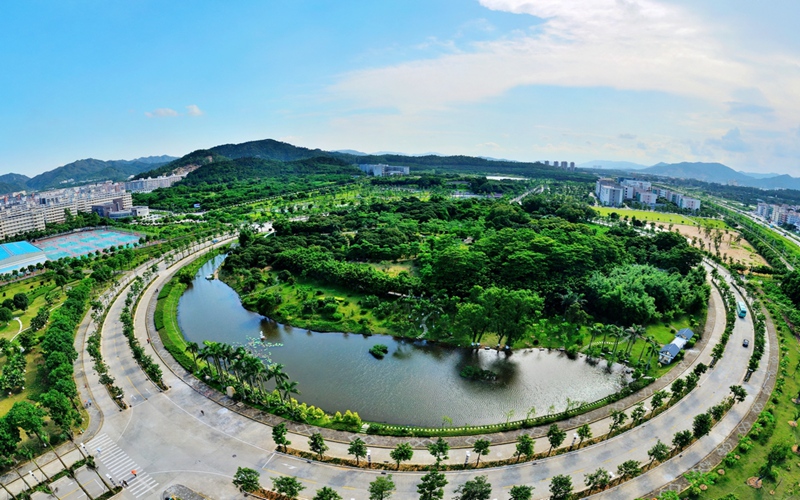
(151, 184)
(689, 203)
(608, 192)
(382, 170)
(23, 212)
(647, 197)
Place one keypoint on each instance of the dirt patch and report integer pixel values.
(732, 245)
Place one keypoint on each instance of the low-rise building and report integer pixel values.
(669, 352)
(382, 170)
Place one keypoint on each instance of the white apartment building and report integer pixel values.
(151, 184)
(609, 193)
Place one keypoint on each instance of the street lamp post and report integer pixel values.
(574, 438)
(369, 457)
(466, 460)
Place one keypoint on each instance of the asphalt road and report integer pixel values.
(166, 439)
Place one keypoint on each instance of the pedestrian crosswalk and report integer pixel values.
(119, 466)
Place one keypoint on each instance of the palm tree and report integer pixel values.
(289, 387)
(617, 334)
(213, 350)
(647, 345)
(193, 348)
(275, 371)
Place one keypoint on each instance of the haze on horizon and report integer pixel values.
(634, 80)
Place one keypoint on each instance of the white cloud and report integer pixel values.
(161, 113)
(732, 141)
(193, 110)
(622, 44)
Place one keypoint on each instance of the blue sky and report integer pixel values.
(635, 80)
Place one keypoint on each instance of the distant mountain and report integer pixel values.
(13, 182)
(756, 175)
(88, 170)
(721, 174)
(351, 152)
(707, 172)
(612, 165)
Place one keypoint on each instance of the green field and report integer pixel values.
(660, 217)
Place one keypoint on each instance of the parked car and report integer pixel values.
(745, 343)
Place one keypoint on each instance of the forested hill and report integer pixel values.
(89, 170)
(241, 169)
(270, 149)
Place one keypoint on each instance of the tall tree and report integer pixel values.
(598, 479)
(524, 446)
(247, 479)
(475, 489)
(431, 486)
(481, 447)
(439, 449)
(584, 432)
(279, 436)
(327, 493)
(560, 487)
(403, 452)
(658, 452)
(556, 436)
(521, 492)
(316, 443)
(287, 486)
(381, 488)
(357, 448)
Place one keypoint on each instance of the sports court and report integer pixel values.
(84, 242)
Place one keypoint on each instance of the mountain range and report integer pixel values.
(81, 172)
(239, 160)
(707, 172)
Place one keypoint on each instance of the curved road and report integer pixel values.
(168, 441)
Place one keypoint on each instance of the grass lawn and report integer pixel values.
(660, 217)
(394, 268)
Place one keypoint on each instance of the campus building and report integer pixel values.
(609, 193)
(382, 170)
(22, 212)
(151, 184)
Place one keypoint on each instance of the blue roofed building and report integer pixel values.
(669, 352)
(18, 255)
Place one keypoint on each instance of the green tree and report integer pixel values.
(327, 493)
(316, 443)
(439, 449)
(61, 410)
(739, 393)
(617, 418)
(555, 436)
(637, 414)
(476, 489)
(27, 417)
(288, 486)
(403, 452)
(279, 436)
(597, 480)
(629, 469)
(682, 439)
(658, 452)
(560, 487)
(520, 492)
(481, 447)
(247, 479)
(357, 448)
(584, 432)
(381, 488)
(431, 486)
(524, 446)
(5, 315)
(658, 400)
(21, 301)
(702, 425)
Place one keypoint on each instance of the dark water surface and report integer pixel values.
(415, 384)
